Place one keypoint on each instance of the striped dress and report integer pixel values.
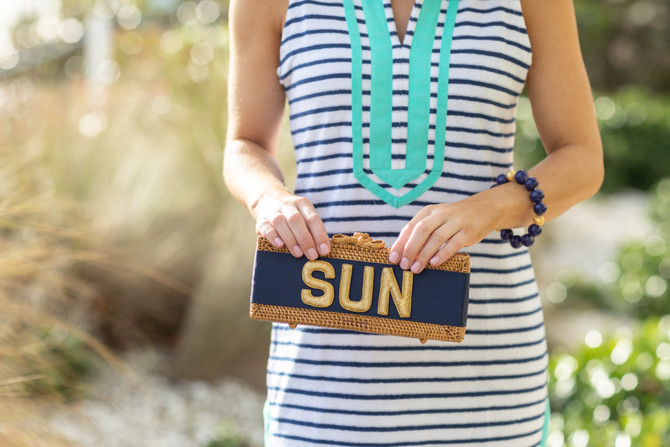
(339, 388)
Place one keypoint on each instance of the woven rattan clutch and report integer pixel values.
(356, 288)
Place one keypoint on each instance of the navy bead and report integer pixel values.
(535, 230)
(506, 235)
(515, 242)
(527, 240)
(537, 195)
(501, 179)
(521, 176)
(540, 208)
(531, 183)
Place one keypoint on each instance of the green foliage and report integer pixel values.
(60, 362)
(615, 389)
(227, 442)
(637, 283)
(228, 438)
(624, 42)
(635, 130)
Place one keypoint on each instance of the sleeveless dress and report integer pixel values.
(339, 388)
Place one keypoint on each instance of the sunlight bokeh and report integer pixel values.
(125, 265)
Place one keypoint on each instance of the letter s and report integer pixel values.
(308, 298)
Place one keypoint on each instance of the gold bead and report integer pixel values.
(510, 175)
(538, 220)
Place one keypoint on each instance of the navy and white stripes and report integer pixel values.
(337, 388)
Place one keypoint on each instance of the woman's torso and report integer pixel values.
(341, 388)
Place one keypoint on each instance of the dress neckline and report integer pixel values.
(383, 53)
(411, 22)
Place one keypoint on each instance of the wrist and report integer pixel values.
(277, 192)
(537, 208)
(509, 206)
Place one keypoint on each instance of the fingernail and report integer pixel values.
(435, 260)
(323, 249)
(312, 254)
(404, 264)
(416, 267)
(394, 257)
(297, 251)
(278, 242)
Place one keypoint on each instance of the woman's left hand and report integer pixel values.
(437, 232)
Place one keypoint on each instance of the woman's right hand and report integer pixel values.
(286, 219)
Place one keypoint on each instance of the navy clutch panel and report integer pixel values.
(356, 288)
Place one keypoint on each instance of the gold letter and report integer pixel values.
(389, 286)
(328, 271)
(345, 285)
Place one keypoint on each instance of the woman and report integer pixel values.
(368, 83)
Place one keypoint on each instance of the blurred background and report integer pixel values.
(125, 265)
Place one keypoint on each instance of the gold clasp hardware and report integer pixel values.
(360, 239)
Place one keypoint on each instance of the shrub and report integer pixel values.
(635, 130)
(636, 283)
(616, 390)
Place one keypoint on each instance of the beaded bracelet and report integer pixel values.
(536, 196)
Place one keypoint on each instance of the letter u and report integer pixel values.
(345, 287)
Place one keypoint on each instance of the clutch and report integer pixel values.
(356, 288)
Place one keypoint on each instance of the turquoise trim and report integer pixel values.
(545, 428)
(418, 108)
(442, 98)
(381, 90)
(382, 94)
(418, 117)
(266, 423)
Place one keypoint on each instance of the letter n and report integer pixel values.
(389, 286)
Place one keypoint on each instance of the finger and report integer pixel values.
(266, 230)
(280, 224)
(450, 248)
(433, 244)
(316, 227)
(420, 235)
(305, 242)
(399, 245)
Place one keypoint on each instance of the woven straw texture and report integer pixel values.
(360, 247)
(361, 323)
